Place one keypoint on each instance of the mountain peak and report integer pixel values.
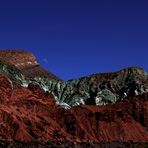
(19, 58)
(26, 62)
(134, 69)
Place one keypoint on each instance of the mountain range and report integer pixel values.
(39, 109)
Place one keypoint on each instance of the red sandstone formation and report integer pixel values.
(29, 114)
(124, 121)
(27, 62)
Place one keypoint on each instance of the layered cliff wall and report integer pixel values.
(26, 62)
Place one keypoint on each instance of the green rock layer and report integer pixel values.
(96, 89)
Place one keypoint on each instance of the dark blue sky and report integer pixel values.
(73, 38)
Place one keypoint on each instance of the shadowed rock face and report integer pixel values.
(119, 122)
(67, 144)
(115, 106)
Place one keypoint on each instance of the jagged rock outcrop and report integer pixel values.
(98, 89)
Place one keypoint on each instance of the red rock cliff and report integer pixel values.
(26, 62)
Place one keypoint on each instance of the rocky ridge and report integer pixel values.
(100, 108)
(96, 89)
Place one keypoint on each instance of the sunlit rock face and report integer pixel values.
(26, 62)
(104, 97)
(19, 58)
